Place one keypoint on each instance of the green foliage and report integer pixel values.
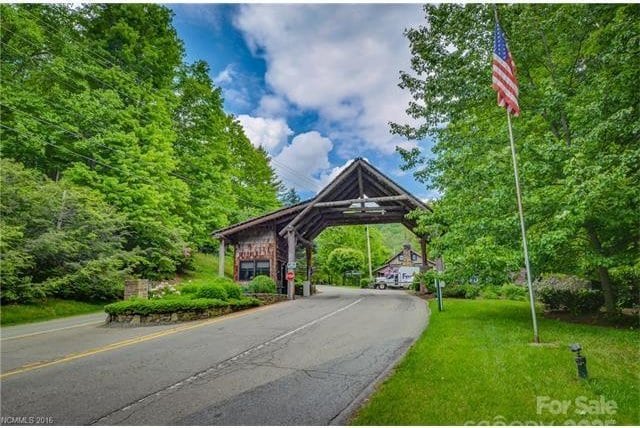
(44, 310)
(513, 292)
(342, 260)
(234, 291)
(355, 238)
(577, 139)
(627, 282)
(563, 292)
(212, 291)
(189, 289)
(289, 197)
(262, 284)
(490, 292)
(243, 303)
(58, 239)
(99, 98)
(162, 306)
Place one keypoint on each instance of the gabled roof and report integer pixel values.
(360, 194)
(390, 259)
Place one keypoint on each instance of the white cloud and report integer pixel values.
(306, 157)
(272, 106)
(342, 61)
(264, 132)
(225, 76)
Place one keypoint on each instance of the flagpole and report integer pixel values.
(536, 338)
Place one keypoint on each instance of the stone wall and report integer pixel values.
(136, 288)
(268, 299)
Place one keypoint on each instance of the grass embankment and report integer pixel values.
(475, 363)
(46, 310)
(205, 268)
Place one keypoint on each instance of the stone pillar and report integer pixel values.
(136, 288)
(221, 257)
(291, 249)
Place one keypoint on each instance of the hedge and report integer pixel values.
(146, 307)
(212, 292)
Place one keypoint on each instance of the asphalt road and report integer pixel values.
(306, 362)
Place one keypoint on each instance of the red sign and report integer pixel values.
(290, 275)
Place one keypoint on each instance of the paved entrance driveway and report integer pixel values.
(305, 362)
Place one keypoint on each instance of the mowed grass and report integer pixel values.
(46, 310)
(475, 363)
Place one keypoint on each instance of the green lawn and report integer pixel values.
(475, 363)
(51, 308)
(205, 268)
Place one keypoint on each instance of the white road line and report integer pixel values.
(222, 364)
(52, 330)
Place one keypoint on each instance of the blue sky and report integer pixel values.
(316, 85)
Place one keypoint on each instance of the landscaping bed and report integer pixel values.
(189, 302)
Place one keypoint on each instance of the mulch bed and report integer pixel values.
(620, 321)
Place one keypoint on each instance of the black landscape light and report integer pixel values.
(581, 361)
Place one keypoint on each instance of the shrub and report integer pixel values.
(470, 291)
(189, 289)
(455, 291)
(146, 307)
(97, 280)
(211, 291)
(234, 291)
(164, 291)
(365, 282)
(513, 292)
(626, 280)
(243, 303)
(490, 292)
(568, 293)
(262, 284)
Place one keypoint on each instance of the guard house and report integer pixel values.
(406, 257)
(360, 194)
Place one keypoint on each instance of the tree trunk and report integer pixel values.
(603, 272)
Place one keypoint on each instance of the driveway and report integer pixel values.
(305, 362)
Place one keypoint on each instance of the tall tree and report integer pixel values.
(577, 136)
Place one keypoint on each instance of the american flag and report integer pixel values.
(504, 74)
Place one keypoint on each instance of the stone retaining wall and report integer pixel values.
(267, 298)
(174, 317)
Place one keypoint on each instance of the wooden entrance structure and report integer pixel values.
(360, 194)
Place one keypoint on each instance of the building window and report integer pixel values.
(401, 257)
(414, 257)
(262, 267)
(247, 271)
(252, 268)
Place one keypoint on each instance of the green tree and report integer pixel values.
(57, 239)
(343, 260)
(289, 197)
(577, 136)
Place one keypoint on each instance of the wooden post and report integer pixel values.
(423, 250)
(221, 257)
(291, 244)
(309, 252)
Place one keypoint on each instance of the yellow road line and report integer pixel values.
(38, 365)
